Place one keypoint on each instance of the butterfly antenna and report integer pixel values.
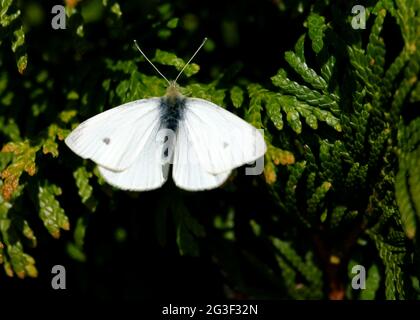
(196, 51)
(138, 48)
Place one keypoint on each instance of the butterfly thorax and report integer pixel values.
(172, 107)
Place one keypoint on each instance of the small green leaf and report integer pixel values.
(237, 96)
(164, 33)
(373, 281)
(327, 68)
(75, 252)
(67, 115)
(294, 121)
(300, 48)
(256, 228)
(273, 108)
(165, 10)
(116, 9)
(337, 216)
(173, 23)
(72, 95)
(316, 28)
(279, 156)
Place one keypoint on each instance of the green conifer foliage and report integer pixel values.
(341, 181)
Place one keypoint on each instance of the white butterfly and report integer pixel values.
(207, 143)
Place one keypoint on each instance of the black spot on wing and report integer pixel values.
(106, 140)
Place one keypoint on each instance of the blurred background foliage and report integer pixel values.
(341, 185)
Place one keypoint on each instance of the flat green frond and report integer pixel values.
(373, 281)
(280, 156)
(75, 248)
(50, 210)
(274, 109)
(337, 216)
(393, 258)
(82, 176)
(206, 91)
(253, 114)
(411, 72)
(307, 74)
(394, 70)
(10, 129)
(305, 94)
(376, 47)
(338, 108)
(317, 199)
(360, 63)
(188, 230)
(11, 27)
(292, 264)
(295, 172)
(12, 256)
(407, 181)
(23, 161)
(50, 144)
(170, 59)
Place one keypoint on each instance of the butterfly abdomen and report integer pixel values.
(171, 111)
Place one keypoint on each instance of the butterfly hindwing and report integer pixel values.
(148, 171)
(187, 171)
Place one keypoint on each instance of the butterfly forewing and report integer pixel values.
(115, 138)
(222, 141)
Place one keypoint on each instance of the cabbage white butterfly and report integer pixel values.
(201, 140)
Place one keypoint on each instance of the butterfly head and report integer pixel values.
(172, 92)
